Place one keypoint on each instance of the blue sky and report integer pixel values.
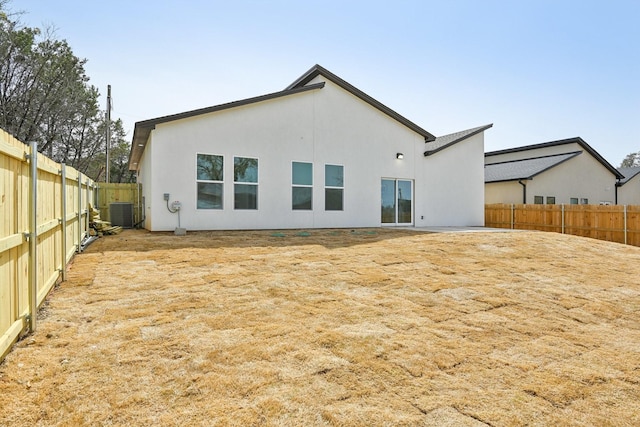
(538, 70)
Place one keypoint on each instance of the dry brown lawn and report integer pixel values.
(335, 327)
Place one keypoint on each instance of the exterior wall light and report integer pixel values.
(399, 156)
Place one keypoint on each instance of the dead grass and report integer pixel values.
(336, 328)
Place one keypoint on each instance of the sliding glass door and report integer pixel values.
(397, 202)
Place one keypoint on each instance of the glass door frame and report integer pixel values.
(396, 202)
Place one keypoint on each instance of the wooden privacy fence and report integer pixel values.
(119, 193)
(613, 223)
(44, 218)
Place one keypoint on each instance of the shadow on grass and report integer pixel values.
(142, 240)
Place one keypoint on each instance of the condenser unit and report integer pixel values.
(121, 213)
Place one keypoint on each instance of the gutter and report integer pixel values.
(524, 191)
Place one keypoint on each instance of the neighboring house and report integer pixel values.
(567, 171)
(629, 187)
(320, 153)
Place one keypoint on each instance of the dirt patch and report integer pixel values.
(335, 327)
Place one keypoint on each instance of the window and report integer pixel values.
(245, 179)
(573, 201)
(209, 177)
(538, 200)
(584, 201)
(551, 200)
(333, 187)
(302, 186)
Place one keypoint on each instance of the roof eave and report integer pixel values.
(477, 131)
(143, 129)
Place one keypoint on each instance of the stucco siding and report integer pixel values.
(580, 177)
(451, 186)
(327, 126)
(503, 192)
(629, 193)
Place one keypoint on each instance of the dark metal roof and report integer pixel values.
(576, 140)
(516, 170)
(317, 70)
(143, 129)
(628, 173)
(442, 142)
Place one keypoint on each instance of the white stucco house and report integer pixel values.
(629, 186)
(318, 154)
(567, 171)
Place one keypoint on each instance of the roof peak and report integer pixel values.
(319, 70)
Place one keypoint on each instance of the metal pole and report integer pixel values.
(33, 236)
(107, 177)
(64, 221)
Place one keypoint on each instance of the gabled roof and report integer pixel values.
(318, 70)
(628, 173)
(576, 140)
(515, 170)
(442, 142)
(143, 129)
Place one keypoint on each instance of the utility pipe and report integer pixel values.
(33, 236)
(524, 191)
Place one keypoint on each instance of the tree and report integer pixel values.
(45, 96)
(632, 159)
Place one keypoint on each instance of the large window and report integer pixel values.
(209, 177)
(245, 183)
(333, 187)
(302, 186)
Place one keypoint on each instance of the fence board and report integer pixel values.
(51, 257)
(594, 221)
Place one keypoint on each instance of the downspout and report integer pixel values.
(524, 191)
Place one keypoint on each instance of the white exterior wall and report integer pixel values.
(629, 193)
(323, 126)
(452, 182)
(503, 192)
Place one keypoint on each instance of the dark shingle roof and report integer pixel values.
(628, 173)
(576, 140)
(523, 169)
(442, 142)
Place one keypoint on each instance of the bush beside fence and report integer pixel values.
(34, 258)
(613, 223)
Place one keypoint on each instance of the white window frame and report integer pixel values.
(256, 184)
(330, 187)
(302, 185)
(208, 181)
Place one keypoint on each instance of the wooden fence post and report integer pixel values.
(562, 220)
(625, 224)
(64, 221)
(33, 236)
(79, 236)
(513, 216)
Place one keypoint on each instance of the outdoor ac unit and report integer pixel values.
(121, 213)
